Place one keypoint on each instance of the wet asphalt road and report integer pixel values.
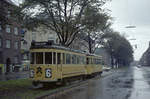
(128, 83)
(141, 87)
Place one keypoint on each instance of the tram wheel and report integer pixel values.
(36, 85)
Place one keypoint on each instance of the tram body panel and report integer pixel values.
(89, 68)
(97, 68)
(44, 73)
(73, 70)
(52, 64)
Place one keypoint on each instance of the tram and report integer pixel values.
(55, 63)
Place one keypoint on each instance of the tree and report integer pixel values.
(95, 20)
(119, 48)
(61, 16)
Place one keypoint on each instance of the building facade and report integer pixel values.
(105, 56)
(41, 34)
(10, 39)
(145, 59)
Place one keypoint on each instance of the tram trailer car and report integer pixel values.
(54, 63)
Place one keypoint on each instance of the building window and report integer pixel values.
(16, 60)
(0, 26)
(0, 42)
(1, 59)
(8, 43)
(16, 30)
(8, 14)
(33, 36)
(16, 45)
(8, 28)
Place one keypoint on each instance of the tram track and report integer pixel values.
(55, 94)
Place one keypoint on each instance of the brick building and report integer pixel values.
(10, 38)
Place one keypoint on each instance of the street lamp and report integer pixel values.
(130, 26)
(132, 39)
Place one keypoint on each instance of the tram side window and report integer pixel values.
(100, 61)
(94, 61)
(48, 58)
(58, 58)
(83, 60)
(68, 59)
(39, 58)
(32, 58)
(78, 59)
(90, 61)
(87, 60)
(54, 58)
(63, 58)
(97, 61)
(74, 59)
(103, 63)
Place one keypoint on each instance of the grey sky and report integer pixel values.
(136, 13)
(131, 12)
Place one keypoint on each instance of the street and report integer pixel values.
(128, 83)
(123, 83)
(141, 86)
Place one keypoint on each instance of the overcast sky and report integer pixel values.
(135, 13)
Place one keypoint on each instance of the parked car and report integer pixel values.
(139, 66)
(106, 68)
(25, 64)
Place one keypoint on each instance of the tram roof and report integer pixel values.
(49, 45)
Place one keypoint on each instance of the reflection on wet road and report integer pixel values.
(127, 83)
(141, 89)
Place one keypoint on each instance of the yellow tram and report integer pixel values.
(54, 63)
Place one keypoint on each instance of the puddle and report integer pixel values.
(141, 89)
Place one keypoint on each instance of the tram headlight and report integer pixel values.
(31, 73)
(48, 73)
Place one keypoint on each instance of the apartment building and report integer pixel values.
(39, 35)
(10, 39)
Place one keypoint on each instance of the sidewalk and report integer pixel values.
(14, 75)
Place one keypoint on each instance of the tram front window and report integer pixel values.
(39, 58)
(48, 58)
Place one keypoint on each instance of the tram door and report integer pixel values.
(59, 64)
